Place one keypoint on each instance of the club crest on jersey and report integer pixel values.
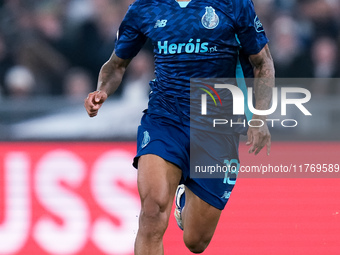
(210, 19)
(146, 139)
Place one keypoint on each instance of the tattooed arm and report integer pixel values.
(258, 137)
(110, 77)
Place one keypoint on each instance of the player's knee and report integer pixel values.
(196, 245)
(153, 217)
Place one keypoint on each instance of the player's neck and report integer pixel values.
(183, 0)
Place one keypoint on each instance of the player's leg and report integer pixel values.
(157, 182)
(199, 222)
(207, 193)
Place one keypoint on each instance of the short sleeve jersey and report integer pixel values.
(197, 41)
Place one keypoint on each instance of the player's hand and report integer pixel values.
(258, 137)
(94, 101)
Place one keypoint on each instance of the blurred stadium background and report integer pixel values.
(66, 181)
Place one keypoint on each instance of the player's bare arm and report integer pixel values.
(258, 137)
(110, 77)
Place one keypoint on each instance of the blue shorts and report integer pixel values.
(171, 141)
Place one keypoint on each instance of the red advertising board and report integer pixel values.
(81, 198)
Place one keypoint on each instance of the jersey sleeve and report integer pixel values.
(129, 37)
(249, 29)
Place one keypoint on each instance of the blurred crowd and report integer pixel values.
(56, 47)
(304, 39)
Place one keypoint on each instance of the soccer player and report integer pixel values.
(192, 39)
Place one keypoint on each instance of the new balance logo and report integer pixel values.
(160, 23)
(226, 195)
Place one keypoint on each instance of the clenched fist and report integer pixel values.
(94, 101)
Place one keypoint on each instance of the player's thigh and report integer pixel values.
(200, 219)
(157, 181)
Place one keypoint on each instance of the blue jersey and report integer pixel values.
(201, 40)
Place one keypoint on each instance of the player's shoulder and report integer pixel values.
(241, 2)
(144, 7)
(142, 3)
(140, 6)
(240, 5)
